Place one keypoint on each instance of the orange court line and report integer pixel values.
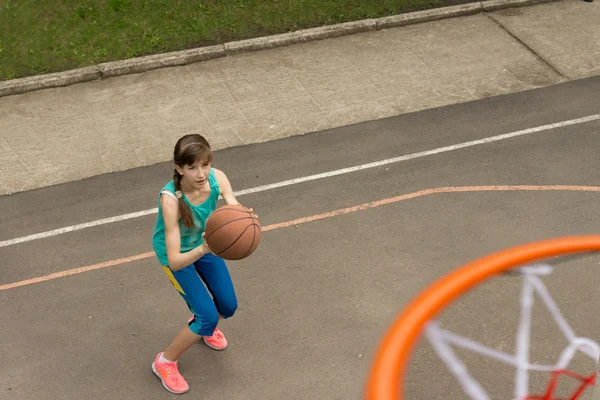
(364, 206)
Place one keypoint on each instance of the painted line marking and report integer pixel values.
(257, 189)
(316, 217)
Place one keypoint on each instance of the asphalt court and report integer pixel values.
(317, 295)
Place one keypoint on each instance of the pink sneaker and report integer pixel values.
(217, 341)
(170, 376)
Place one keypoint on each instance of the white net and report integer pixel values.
(443, 341)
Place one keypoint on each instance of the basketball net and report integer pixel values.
(443, 341)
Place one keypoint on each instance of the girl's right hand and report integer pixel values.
(205, 249)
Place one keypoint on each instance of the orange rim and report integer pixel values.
(386, 378)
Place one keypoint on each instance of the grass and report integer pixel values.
(42, 36)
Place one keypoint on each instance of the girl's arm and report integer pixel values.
(225, 187)
(177, 260)
(227, 191)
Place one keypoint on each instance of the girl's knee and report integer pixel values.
(204, 323)
(228, 307)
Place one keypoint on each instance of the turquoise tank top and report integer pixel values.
(190, 238)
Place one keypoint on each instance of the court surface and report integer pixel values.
(328, 277)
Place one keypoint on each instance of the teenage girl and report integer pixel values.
(185, 203)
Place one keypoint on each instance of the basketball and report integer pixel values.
(232, 232)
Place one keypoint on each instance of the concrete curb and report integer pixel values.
(178, 58)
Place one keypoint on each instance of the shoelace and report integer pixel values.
(172, 371)
(219, 334)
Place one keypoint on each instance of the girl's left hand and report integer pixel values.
(252, 211)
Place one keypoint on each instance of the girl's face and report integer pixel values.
(196, 175)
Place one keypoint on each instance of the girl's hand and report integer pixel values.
(205, 249)
(251, 210)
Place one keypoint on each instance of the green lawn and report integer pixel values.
(42, 36)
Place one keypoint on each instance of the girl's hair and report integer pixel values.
(189, 149)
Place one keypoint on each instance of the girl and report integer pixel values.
(185, 203)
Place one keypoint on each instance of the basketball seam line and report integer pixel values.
(227, 223)
(235, 241)
(253, 238)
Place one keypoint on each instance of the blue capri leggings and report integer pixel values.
(210, 270)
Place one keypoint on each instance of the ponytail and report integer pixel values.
(189, 149)
(184, 209)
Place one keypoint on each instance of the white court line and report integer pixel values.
(328, 174)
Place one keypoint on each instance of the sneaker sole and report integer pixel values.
(163, 383)
(213, 347)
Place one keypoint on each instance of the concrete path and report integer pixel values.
(317, 295)
(65, 134)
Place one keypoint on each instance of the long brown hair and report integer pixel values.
(189, 149)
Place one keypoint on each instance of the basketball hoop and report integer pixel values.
(386, 378)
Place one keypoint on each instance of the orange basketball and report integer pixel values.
(232, 232)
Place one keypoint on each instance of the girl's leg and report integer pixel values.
(213, 271)
(183, 341)
(205, 319)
